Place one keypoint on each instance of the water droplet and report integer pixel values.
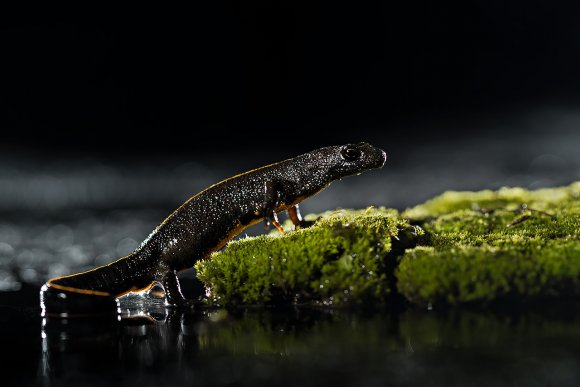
(8, 282)
(6, 253)
(59, 237)
(29, 275)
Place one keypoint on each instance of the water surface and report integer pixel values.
(298, 346)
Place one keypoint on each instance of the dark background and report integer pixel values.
(219, 77)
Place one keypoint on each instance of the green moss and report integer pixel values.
(468, 274)
(476, 247)
(489, 246)
(502, 199)
(341, 259)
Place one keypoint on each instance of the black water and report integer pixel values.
(295, 346)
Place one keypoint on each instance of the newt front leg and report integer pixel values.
(296, 217)
(271, 200)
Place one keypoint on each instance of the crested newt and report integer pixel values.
(205, 223)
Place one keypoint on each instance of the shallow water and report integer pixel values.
(298, 346)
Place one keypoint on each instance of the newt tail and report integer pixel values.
(205, 223)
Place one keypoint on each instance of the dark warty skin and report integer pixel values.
(205, 223)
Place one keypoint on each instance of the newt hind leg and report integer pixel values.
(173, 295)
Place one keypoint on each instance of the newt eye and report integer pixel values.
(350, 154)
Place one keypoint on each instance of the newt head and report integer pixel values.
(352, 159)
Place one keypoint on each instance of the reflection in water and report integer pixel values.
(312, 347)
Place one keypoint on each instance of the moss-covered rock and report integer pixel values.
(490, 246)
(476, 247)
(342, 258)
